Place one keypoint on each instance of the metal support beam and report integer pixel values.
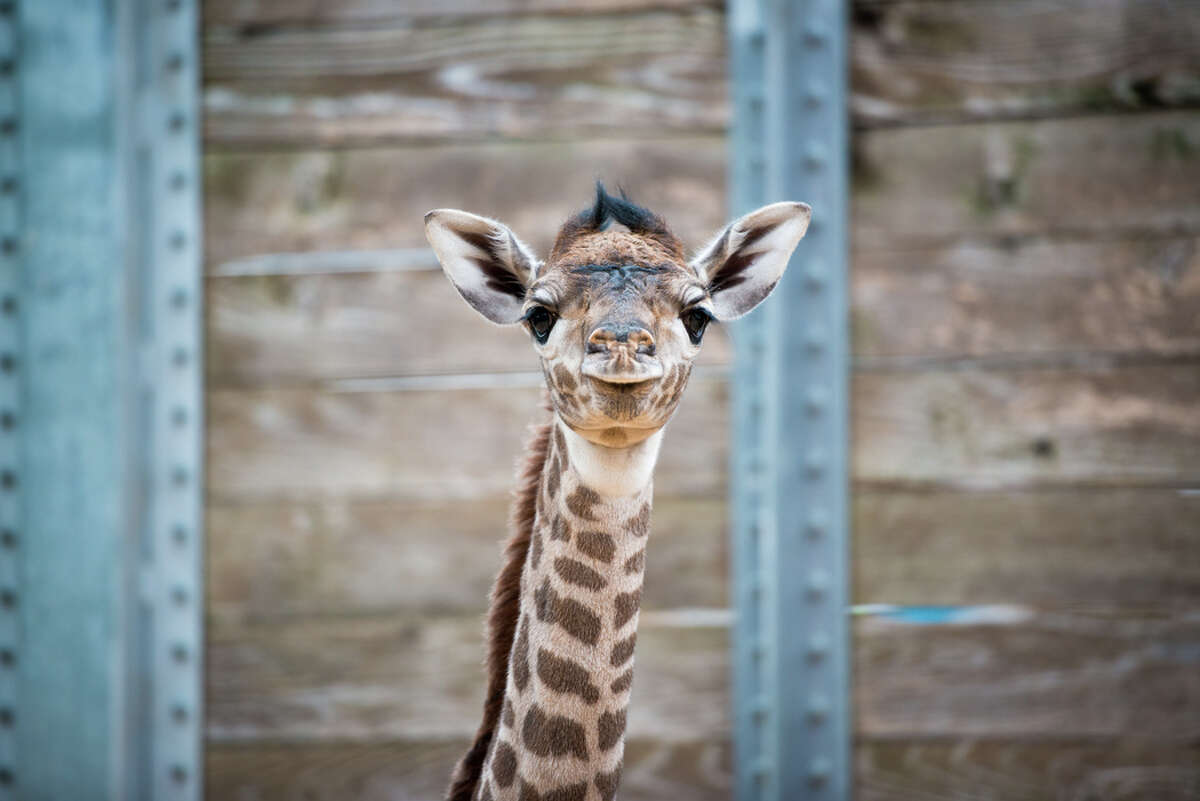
(100, 549)
(789, 469)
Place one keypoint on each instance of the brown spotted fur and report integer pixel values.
(503, 612)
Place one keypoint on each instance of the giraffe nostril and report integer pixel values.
(618, 336)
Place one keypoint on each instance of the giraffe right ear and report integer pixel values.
(484, 260)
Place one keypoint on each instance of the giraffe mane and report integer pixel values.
(503, 611)
(607, 208)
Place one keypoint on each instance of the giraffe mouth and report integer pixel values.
(622, 371)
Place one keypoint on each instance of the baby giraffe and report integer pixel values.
(616, 317)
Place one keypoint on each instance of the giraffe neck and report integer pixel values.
(562, 726)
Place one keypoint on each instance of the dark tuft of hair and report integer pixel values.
(607, 209)
(621, 209)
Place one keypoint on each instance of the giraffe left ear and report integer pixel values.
(484, 260)
(745, 262)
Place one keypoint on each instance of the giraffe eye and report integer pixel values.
(695, 321)
(540, 320)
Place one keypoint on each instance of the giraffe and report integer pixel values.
(616, 316)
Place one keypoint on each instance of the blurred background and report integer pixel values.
(1024, 394)
(1025, 306)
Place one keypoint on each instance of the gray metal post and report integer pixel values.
(790, 482)
(100, 549)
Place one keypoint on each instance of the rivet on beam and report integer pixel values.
(814, 156)
(818, 646)
(815, 400)
(818, 523)
(759, 709)
(814, 276)
(818, 770)
(818, 709)
(818, 583)
(814, 463)
(814, 94)
(814, 34)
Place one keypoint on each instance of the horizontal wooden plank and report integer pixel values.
(415, 677)
(988, 770)
(1020, 674)
(284, 72)
(309, 444)
(1028, 298)
(1056, 548)
(1030, 675)
(278, 561)
(524, 76)
(419, 771)
(303, 328)
(1093, 176)
(1034, 299)
(934, 61)
(1103, 177)
(1105, 426)
(991, 770)
(969, 429)
(261, 15)
(377, 198)
(1049, 548)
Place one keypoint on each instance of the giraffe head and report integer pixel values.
(616, 316)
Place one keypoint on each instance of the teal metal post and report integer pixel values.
(100, 402)
(790, 464)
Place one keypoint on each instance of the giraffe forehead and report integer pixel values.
(616, 247)
(616, 265)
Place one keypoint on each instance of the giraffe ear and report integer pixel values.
(484, 260)
(746, 260)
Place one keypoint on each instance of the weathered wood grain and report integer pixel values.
(296, 329)
(281, 561)
(1023, 427)
(420, 676)
(295, 73)
(1094, 176)
(922, 61)
(262, 15)
(1048, 548)
(648, 72)
(1108, 426)
(309, 444)
(990, 770)
(418, 771)
(986, 770)
(377, 198)
(1049, 674)
(1021, 299)
(1025, 675)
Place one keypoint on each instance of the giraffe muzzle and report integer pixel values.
(621, 353)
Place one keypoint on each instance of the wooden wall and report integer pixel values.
(1026, 322)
